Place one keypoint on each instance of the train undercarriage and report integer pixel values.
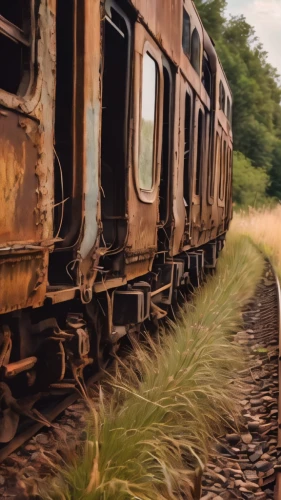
(54, 349)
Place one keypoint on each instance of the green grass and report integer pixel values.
(152, 440)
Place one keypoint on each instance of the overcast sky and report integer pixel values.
(265, 16)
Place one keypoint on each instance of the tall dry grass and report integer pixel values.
(152, 438)
(264, 227)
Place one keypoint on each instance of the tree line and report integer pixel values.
(255, 85)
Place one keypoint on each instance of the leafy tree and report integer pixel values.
(256, 142)
(212, 14)
(249, 183)
(275, 173)
(256, 91)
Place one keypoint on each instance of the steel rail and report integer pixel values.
(24, 436)
(277, 493)
(33, 429)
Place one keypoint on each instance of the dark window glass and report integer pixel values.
(211, 173)
(166, 147)
(195, 50)
(227, 180)
(222, 97)
(208, 149)
(15, 24)
(16, 12)
(187, 140)
(218, 156)
(229, 110)
(211, 162)
(222, 172)
(207, 76)
(199, 152)
(186, 33)
(114, 133)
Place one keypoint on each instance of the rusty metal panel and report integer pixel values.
(92, 116)
(143, 204)
(19, 217)
(162, 19)
(38, 103)
(90, 129)
(179, 211)
(23, 280)
(26, 174)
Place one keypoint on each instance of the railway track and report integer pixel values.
(246, 464)
(30, 429)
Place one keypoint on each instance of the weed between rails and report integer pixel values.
(151, 438)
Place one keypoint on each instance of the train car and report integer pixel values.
(116, 173)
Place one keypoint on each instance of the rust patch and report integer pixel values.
(23, 280)
(18, 182)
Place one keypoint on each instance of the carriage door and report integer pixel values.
(222, 172)
(147, 144)
(198, 163)
(187, 122)
(218, 184)
(115, 105)
(165, 193)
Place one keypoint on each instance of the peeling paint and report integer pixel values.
(91, 181)
(26, 174)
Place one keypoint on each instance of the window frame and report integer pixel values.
(228, 107)
(155, 93)
(222, 169)
(187, 91)
(185, 15)
(148, 46)
(210, 160)
(198, 107)
(199, 72)
(15, 33)
(222, 98)
(169, 195)
(229, 178)
(206, 64)
(112, 9)
(217, 164)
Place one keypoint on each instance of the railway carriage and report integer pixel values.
(116, 173)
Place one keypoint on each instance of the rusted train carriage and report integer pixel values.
(116, 152)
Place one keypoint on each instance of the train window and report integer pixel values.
(15, 45)
(166, 146)
(116, 68)
(148, 120)
(199, 152)
(222, 172)
(228, 173)
(218, 153)
(229, 110)
(187, 139)
(207, 75)
(195, 50)
(222, 97)
(211, 167)
(186, 33)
